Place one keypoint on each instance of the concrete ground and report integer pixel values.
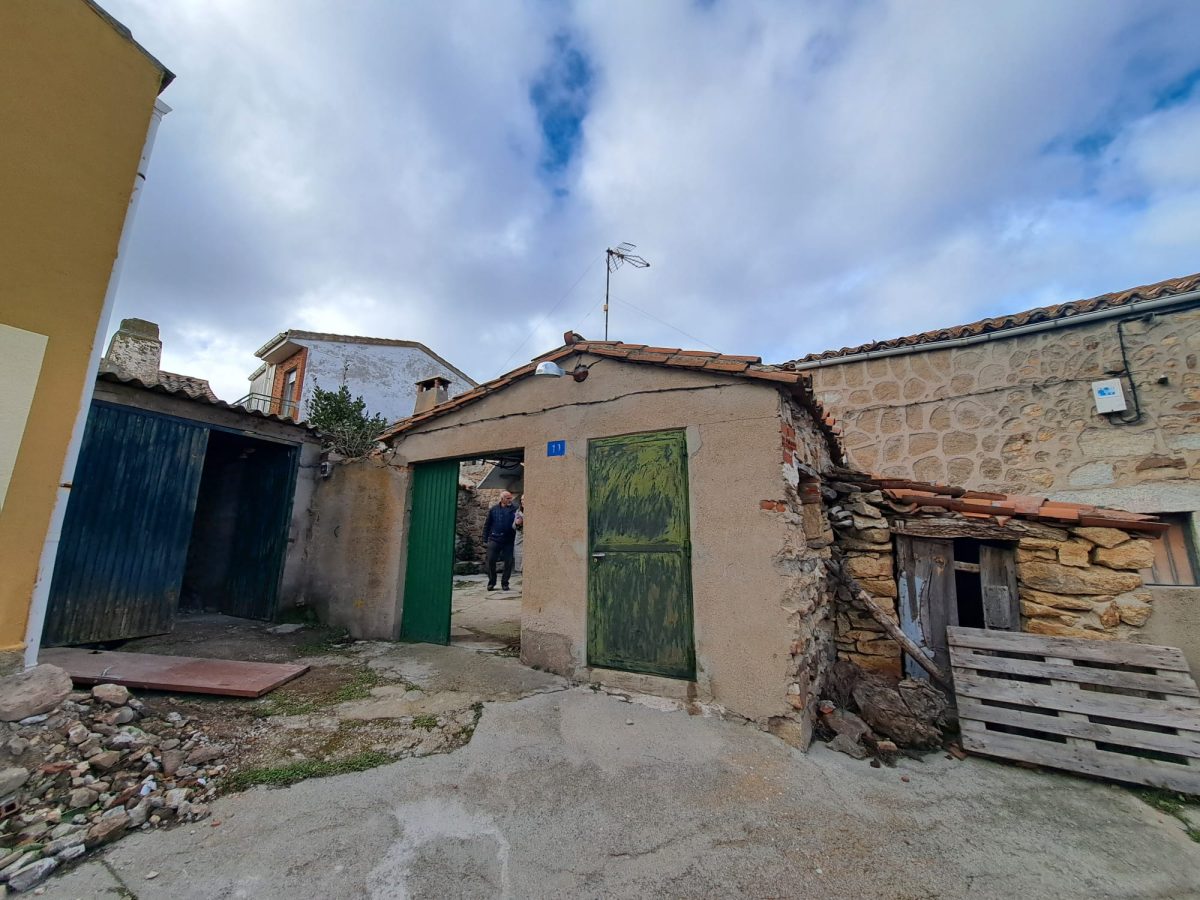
(569, 792)
(485, 620)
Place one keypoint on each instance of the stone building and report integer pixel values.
(693, 532)
(1006, 405)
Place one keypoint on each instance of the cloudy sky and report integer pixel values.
(800, 175)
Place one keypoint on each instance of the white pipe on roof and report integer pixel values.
(1113, 312)
(41, 588)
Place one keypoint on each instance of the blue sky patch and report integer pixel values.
(561, 95)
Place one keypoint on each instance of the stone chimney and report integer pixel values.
(431, 392)
(135, 350)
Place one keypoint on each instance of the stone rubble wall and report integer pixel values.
(1016, 415)
(1077, 582)
(1083, 582)
(864, 539)
(808, 599)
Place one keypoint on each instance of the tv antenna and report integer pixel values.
(617, 257)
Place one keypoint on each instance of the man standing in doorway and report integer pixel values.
(499, 536)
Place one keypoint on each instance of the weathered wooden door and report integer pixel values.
(928, 601)
(929, 582)
(125, 537)
(998, 583)
(429, 573)
(639, 570)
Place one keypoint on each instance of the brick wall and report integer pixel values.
(295, 362)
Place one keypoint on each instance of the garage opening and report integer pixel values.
(487, 615)
(446, 595)
(240, 529)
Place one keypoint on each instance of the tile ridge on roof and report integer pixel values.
(1059, 311)
(667, 357)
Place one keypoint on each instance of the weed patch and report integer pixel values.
(282, 776)
(1171, 803)
(427, 722)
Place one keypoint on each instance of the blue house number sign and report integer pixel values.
(556, 448)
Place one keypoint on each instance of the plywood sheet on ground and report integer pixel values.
(1130, 712)
(183, 674)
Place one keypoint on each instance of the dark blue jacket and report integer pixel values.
(499, 524)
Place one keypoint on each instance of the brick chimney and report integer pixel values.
(135, 350)
(431, 392)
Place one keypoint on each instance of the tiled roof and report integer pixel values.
(1002, 507)
(210, 399)
(749, 367)
(1061, 311)
(358, 339)
(198, 387)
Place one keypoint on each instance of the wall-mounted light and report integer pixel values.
(579, 373)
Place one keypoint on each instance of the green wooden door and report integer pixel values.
(429, 573)
(639, 572)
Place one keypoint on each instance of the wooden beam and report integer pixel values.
(949, 527)
(879, 614)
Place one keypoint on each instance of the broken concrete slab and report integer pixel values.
(435, 669)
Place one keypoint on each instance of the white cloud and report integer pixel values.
(800, 177)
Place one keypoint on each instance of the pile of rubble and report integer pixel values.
(866, 714)
(80, 769)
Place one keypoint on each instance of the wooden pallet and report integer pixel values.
(1129, 712)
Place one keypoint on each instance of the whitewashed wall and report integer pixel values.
(385, 376)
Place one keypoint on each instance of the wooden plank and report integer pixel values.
(954, 528)
(183, 674)
(1090, 761)
(1174, 683)
(974, 711)
(998, 581)
(965, 566)
(1148, 656)
(1170, 714)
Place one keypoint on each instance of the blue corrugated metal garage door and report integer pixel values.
(125, 538)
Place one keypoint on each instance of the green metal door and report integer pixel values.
(429, 573)
(125, 537)
(639, 572)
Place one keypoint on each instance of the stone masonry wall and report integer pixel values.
(808, 601)
(1078, 582)
(1015, 415)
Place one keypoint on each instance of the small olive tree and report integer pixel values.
(344, 423)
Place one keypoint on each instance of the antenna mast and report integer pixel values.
(617, 256)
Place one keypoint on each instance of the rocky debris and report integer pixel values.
(32, 692)
(91, 768)
(112, 694)
(910, 712)
(31, 875)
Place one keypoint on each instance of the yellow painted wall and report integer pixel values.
(76, 104)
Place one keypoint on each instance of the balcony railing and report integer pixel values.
(268, 404)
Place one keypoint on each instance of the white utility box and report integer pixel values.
(1109, 396)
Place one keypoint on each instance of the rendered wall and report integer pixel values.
(751, 572)
(385, 376)
(356, 547)
(76, 105)
(1016, 415)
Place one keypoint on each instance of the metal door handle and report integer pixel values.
(598, 555)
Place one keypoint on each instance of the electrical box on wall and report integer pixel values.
(1109, 396)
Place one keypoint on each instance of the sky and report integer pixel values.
(800, 175)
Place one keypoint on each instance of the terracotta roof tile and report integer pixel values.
(749, 367)
(1061, 311)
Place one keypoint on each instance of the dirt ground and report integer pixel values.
(486, 620)
(328, 720)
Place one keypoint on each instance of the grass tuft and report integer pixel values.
(427, 722)
(282, 776)
(1171, 803)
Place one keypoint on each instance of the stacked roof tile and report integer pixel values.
(1060, 311)
(1002, 507)
(749, 367)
